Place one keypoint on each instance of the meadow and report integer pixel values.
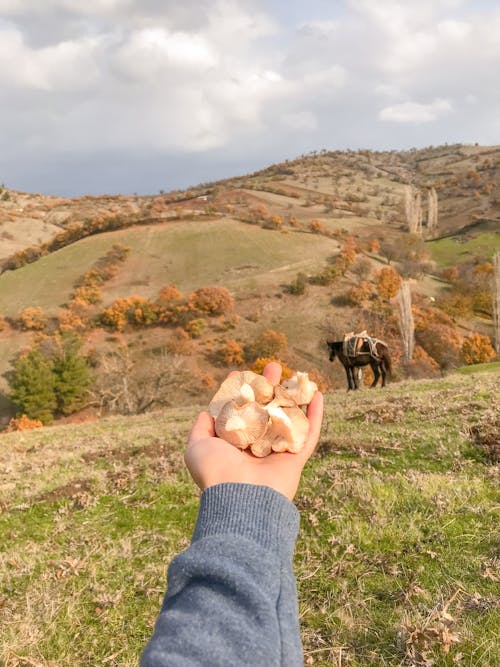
(397, 560)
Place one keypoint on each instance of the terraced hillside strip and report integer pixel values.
(397, 560)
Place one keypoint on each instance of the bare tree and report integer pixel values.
(413, 210)
(128, 386)
(496, 302)
(406, 323)
(432, 212)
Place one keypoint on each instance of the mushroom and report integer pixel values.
(241, 425)
(300, 388)
(242, 387)
(250, 412)
(288, 429)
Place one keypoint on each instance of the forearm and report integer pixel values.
(231, 596)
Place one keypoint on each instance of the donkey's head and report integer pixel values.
(331, 347)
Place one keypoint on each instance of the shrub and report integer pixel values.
(180, 343)
(23, 423)
(436, 333)
(362, 268)
(33, 386)
(89, 293)
(211, 300)
(276, 222)
(450, 274)
(69, 320)
(135, 310)
(477, 349)
(269, 343)
(72, 375)
(231, 354)
(32, 319)
(422, 364)
(196, 327)
(316, 227)
(359, 293)
(388, 283)
(298, 286)
(456, 304)
(169, 295)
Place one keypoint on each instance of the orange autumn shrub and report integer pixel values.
(23, 423)
(135, 310)
(477, 349)
(388, 283)
(32, 319)
(211, 300)
(231, 353)
(169, 295)
(269, 343)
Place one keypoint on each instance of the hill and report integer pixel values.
(397, 559)
(330, 220)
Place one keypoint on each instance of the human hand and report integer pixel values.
(212, 460)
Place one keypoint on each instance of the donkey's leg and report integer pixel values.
(348, 376)
(355, 380)
(376, 374)
(384, 373)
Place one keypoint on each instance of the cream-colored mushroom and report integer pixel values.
(242, 387)
(288, 428)
(250, 412)
(241, 425)
(300, 388)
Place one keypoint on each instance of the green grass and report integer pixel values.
(396, 562)
(449, 251)
(479, 368)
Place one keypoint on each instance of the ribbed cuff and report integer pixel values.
(256, 512)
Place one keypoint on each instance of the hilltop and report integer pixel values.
(273, 239)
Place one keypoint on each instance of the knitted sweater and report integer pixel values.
(231, 598)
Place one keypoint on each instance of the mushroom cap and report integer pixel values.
(300, 388)
(241, 425)
(242, 387)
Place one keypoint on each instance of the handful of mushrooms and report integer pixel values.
(251, 412)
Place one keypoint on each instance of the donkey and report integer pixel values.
(377, 356)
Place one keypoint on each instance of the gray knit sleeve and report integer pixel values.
(231, 597)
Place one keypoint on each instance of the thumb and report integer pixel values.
(202, 428)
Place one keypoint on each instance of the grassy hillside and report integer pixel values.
(253, 235)
(397, 560)
(187, 254)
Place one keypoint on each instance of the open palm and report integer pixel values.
(212, 460)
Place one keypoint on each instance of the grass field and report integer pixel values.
(452, 251)
(189, 254)
(397, 560)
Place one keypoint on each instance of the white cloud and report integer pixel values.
(68, 65)
(149, 52)
(414, 112)
(242, 77)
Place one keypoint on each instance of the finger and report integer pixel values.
(315, 416)
(202, 428)
(272, 371)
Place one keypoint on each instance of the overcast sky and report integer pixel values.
(123, 96)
